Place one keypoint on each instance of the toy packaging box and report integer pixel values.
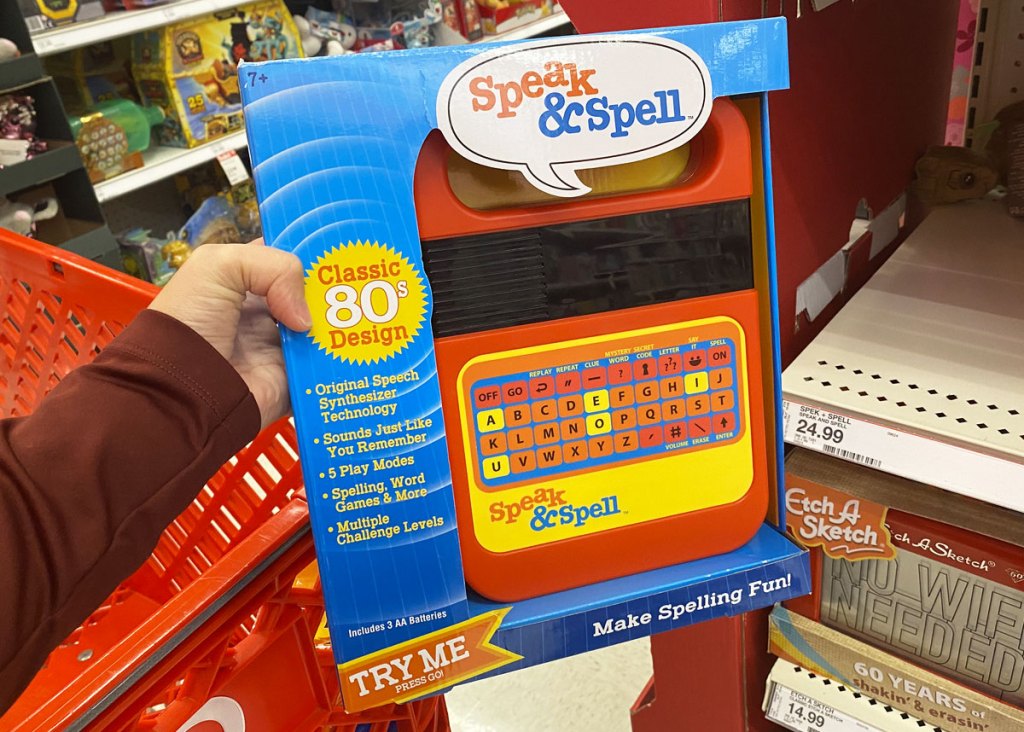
(41, 15)
(190, 69)
(501, 16)
(944, 598)
(538, 405)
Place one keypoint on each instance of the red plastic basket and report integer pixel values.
(217, 627)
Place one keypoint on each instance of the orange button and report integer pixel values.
(573, 429)
(671, 388)
(720, 356)
(651, 414)
(673, 409)
(675, 432)
(517, 416)
(624, 419)
(723, 422)
(541, 387)
(721, 378)
(651, 437)
(575, 451)
(646, 392)
(600, 446)
(697, 405)
(544, 411)
(520, 439)
(549, 457)
(621, 396)
(523, 462)
(645, 368)
(669, 364)
(570, 406)
(619, 373)
(546, 434)
(626, 441)
(722, 400)
(514, 391)
(695, 360)
(568, 382)
(595, 377)
(699, 427)
(487, 397)
(493, 444)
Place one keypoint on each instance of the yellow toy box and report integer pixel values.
(190, 69)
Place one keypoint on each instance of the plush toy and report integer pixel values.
(949, 174)
(21, 218)
(8, 50)
(324, 33)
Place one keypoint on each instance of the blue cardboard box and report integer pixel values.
(335, 145)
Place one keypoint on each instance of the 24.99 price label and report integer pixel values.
(368, 302)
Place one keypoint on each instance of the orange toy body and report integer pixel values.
(599, 363)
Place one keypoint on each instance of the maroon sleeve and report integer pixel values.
(89, 481)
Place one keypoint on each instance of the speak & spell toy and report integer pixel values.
(542, 362)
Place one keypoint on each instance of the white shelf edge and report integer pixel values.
(843, 708)
(123, 23)
(556, 20)
(163, 162)
(887, 446)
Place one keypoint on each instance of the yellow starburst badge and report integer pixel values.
(368, 302)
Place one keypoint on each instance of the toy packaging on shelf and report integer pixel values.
(536, 409)
(941, 596)
(190, 69)
(92, 74)
(41, 15)
(501, 16)
(112, 135)
(18, 123)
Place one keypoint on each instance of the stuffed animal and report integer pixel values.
(8, 50)
(21, 218)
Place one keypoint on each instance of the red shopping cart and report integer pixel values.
(217, 628)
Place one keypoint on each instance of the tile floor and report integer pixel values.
(591, 692)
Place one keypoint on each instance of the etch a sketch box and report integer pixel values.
(542, 353)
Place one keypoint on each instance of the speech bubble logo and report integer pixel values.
(553, 107)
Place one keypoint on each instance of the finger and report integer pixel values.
(267, 272)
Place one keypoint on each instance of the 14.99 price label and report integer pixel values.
(368, 302)
(803, 713)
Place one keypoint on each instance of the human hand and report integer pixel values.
(230, 294)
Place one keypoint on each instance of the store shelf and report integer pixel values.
(877, 687)
(922, 373)
(556, 20)
(797, 699)
(124, 23)
(163, 162)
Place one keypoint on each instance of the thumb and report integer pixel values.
(264, 271)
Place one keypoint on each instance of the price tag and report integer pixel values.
(802, 713)
(13, 151)
(924, 459)
(233, 167)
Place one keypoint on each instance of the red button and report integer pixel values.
(514, 391)
(725, 422)
(595, 377)
(700, 427)
(645, 368)
(651, 436)
(619, 373)
(675, 432)
(669, 364)
(486, 397)
(568, 382)
(695, 360)
(720, 356)
(542, 387)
